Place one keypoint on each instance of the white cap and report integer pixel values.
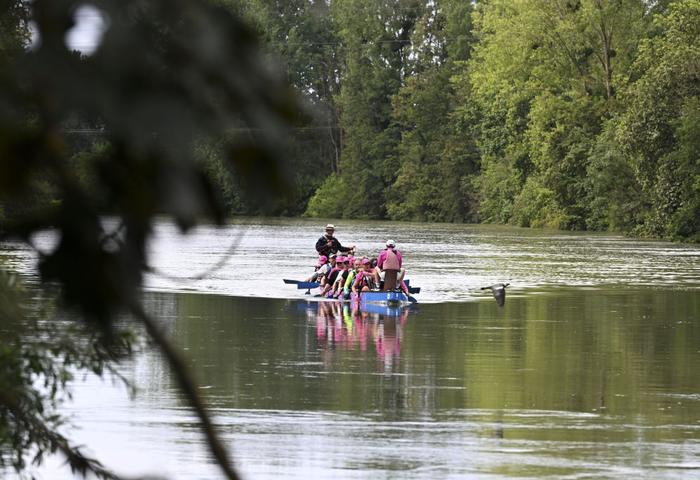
(330, 226)
(390, 243)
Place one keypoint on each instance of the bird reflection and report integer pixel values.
(499, 292)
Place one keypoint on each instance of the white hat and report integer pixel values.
(330, 226)
(390, 243)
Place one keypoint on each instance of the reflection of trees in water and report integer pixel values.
(348, 327)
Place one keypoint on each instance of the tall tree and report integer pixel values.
(434, 160)
(14, 27)
(544, 106)
(658, 129)
(300, 41)
(375, 37)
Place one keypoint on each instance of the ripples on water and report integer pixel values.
(589, 371)
(577, 384)
(449, 262)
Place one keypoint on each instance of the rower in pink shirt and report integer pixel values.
(389, 263)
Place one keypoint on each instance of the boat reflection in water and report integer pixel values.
(349, 326)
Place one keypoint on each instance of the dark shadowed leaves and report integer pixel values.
(165, 75)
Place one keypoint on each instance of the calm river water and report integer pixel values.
(590, 370)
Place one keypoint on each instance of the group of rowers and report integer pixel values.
(341, 274)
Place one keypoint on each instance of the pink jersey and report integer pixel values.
(389, 259)
(363, 279)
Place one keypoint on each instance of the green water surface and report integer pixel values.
(565, 383)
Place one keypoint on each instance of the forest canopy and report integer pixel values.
(570, 114)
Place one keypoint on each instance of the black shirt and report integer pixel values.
(323, 249)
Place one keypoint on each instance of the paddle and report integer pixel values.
(412, 299)
(294, 282)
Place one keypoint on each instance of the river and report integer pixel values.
(589, 370)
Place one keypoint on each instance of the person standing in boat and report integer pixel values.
(328, 244)
(389, 263)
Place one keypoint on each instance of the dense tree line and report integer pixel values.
(572, 114)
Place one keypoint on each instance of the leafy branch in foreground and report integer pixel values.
(166, 75)
(38, 359)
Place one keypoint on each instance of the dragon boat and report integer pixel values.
(390, 298)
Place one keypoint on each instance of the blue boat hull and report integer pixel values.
(384, 298)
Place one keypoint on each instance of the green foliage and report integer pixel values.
(413, 143)
(434, 163)
(543, 76)
(302, 38)
(616, 200)
(457, 29)
(678, 182)
(38, 359)
(166, 78)
(536, 206)
(14, 28)
(655, 128)
(502, 111)
(375, 39)
(499, 184)
(560, 135)
(329, 198)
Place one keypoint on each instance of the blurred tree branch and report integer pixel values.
(166, 75)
